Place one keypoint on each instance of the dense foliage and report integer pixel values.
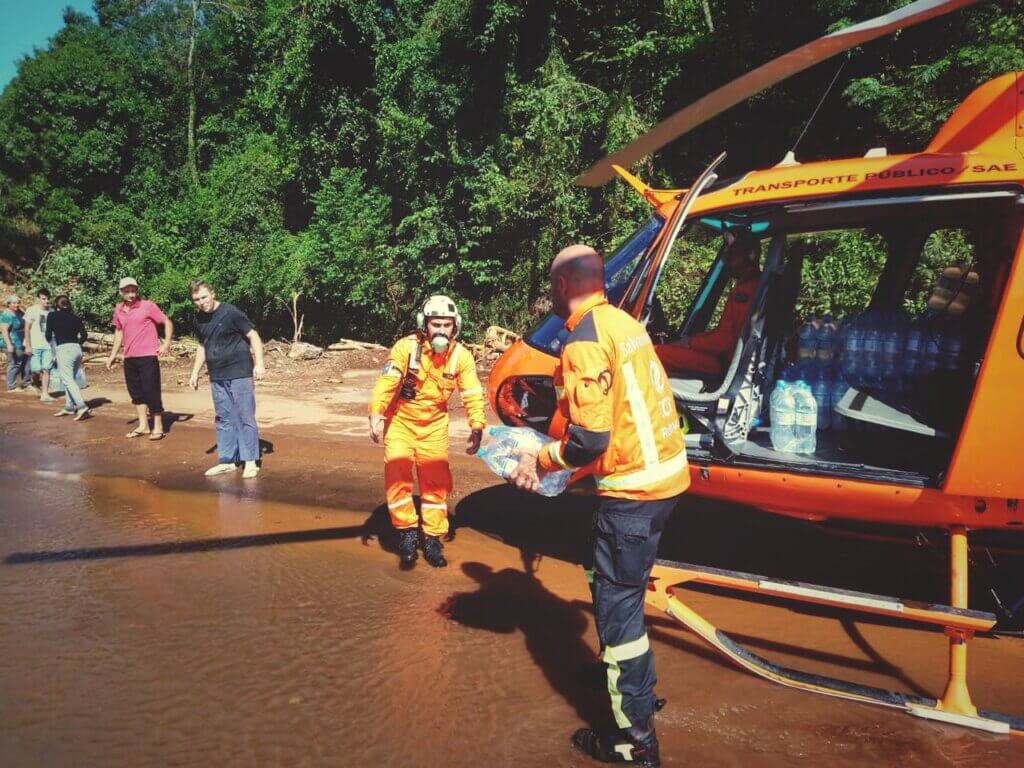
(363, 154)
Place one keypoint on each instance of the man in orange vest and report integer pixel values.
(409, 411)
(711, 352)
(623, 426)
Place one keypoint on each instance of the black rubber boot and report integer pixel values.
(433, 551)
(635, 746)
(407, 541)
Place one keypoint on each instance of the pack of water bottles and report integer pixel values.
(820, 365)
(794, 415)
(882, 351)
(500, 449)
(891, 352)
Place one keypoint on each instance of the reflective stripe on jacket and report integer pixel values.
(435, 381)
(620, 408)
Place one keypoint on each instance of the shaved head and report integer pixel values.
(576, 271)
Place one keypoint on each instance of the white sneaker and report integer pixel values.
(251, 470)
(220, 469)
(47, 399)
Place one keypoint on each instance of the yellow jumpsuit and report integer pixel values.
(416, 430)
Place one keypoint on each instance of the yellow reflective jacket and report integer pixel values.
(620, 408)
(433, 379)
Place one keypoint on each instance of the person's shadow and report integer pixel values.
(554, 630)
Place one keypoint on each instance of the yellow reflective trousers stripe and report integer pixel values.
(613, 656)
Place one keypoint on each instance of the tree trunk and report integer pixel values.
(297, 319)
(707, 15)
(193, 171)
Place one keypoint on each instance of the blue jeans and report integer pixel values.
(69, 364)
(234, 402)
(17, 365)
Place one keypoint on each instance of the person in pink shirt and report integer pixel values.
(135, 321)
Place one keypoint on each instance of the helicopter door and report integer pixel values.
(729, 411)
(640, 292)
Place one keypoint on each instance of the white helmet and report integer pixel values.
(439, 305)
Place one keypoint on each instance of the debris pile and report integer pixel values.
(300, 350)
(496, 341)
(98, 345)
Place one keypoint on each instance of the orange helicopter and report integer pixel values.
(956, 466)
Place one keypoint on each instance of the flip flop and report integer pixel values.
(136, 433)
(157, 435)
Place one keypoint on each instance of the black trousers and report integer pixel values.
(625, 544)
(142, 376)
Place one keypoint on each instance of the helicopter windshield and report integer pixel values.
(550, 332)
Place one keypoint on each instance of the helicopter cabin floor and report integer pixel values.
(884, 456)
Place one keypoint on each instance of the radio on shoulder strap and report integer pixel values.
(408, 390)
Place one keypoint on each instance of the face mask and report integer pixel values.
(439, 343)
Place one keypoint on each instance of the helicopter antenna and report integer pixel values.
(815, 112)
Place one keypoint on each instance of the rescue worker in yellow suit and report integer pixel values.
(623, 425)
(710, 352)
(409, 411)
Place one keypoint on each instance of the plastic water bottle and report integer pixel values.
(824, 339)
(500, 452)
(836, 394)
(853, 355)
(932, 356)
(783, 417)
(892, 348)
(807, 370)
(913, 354)
(806, 418)
(952, 351)
(839, 343)
(872, 367)
(808, 342)
(821, 390)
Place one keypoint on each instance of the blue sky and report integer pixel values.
(28, 24)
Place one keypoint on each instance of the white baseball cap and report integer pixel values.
(126, 281)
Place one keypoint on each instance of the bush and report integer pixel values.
(82, 274)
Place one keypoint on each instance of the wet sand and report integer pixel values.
(153, 617)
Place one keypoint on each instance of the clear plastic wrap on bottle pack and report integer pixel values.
(500, 452)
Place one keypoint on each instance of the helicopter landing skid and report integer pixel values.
(954, 707)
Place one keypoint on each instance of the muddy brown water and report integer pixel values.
(142, 625)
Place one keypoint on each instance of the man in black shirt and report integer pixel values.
(233, 354)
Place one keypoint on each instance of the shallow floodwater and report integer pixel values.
(143, 627)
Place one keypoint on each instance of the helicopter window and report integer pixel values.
(689, 278)
(944, 278)
(550, 332)
(840, 269)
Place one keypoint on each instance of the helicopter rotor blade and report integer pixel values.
(763, 77)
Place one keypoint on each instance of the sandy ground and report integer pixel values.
(156, 617)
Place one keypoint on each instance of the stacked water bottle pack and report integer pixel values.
(886, 352)
(793, 417)
(890, 352)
